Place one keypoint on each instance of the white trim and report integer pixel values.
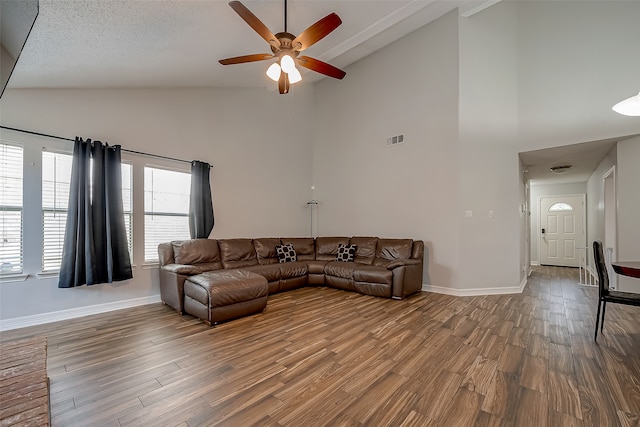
(55, 316)
(534, 263)
(474, 292)
(48, 274)
(610, 235)
(466, 11)
(13, 278)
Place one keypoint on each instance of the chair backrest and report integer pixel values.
(601, 267)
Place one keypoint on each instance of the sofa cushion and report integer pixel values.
(365, 249)
(316, 267)
(289, 270)
(372, 274)
(271, 272)
(236, 253)
(226, 287)
(346, 253)
(340, 269)
(286, 253)
(304, 246)
(327, 247)
(196, 251)
(165, 254)
(266, 250)
(389, 249)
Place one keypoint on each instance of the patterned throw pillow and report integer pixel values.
(286, 253)
(346, 253)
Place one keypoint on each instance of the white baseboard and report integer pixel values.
(55, 316)
(534, 262)
(474, 292)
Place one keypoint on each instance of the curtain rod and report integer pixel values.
(72, 140)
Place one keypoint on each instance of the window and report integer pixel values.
(166, 208)
(56, 179)
(557, 207)
(127, 204)
(10, 208)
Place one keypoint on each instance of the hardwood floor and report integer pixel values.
(320, 356)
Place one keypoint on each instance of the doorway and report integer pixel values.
(562, 231)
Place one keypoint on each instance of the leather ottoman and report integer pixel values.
(217, 296)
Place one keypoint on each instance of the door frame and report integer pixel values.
(610, 221)
(583, 196)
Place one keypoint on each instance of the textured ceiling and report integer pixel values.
(584, 158)
(177, 43)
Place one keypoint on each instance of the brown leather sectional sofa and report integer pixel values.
(217, 280)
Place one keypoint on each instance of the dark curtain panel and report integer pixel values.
(95, 241)
(200, 204)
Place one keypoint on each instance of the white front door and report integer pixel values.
(561, 230)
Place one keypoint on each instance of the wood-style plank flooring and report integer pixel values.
(320, 356)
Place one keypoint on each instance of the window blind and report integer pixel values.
(10, 208)
(166, 208)
(56, 178)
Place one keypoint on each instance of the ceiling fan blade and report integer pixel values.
(283, 83)
(254, 23)
(246, 58)
(316, 32)
(321, 67)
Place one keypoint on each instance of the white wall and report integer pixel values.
(489, 171)
(408, 190)
(531, 75)
(576, 59)
(256, 141)
(595, 201)
(628, 197)
(625, 156)
(541, 190)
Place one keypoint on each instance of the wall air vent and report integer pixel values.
(395, 140)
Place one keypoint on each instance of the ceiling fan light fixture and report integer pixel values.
(294, 76)
(629, 106)
(287, 64)
(286, 47)
(273, 72)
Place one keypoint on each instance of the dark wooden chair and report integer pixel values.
(604, 294)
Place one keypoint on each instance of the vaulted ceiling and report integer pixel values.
(177, 43)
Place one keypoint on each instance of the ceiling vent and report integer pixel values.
(560, 169)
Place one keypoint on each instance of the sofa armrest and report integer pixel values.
(407, 279)
(187, 270)
(399, 262)
(172, 277)
(172, 288)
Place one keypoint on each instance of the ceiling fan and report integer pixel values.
(286, 48)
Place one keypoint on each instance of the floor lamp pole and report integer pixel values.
(310, 205)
